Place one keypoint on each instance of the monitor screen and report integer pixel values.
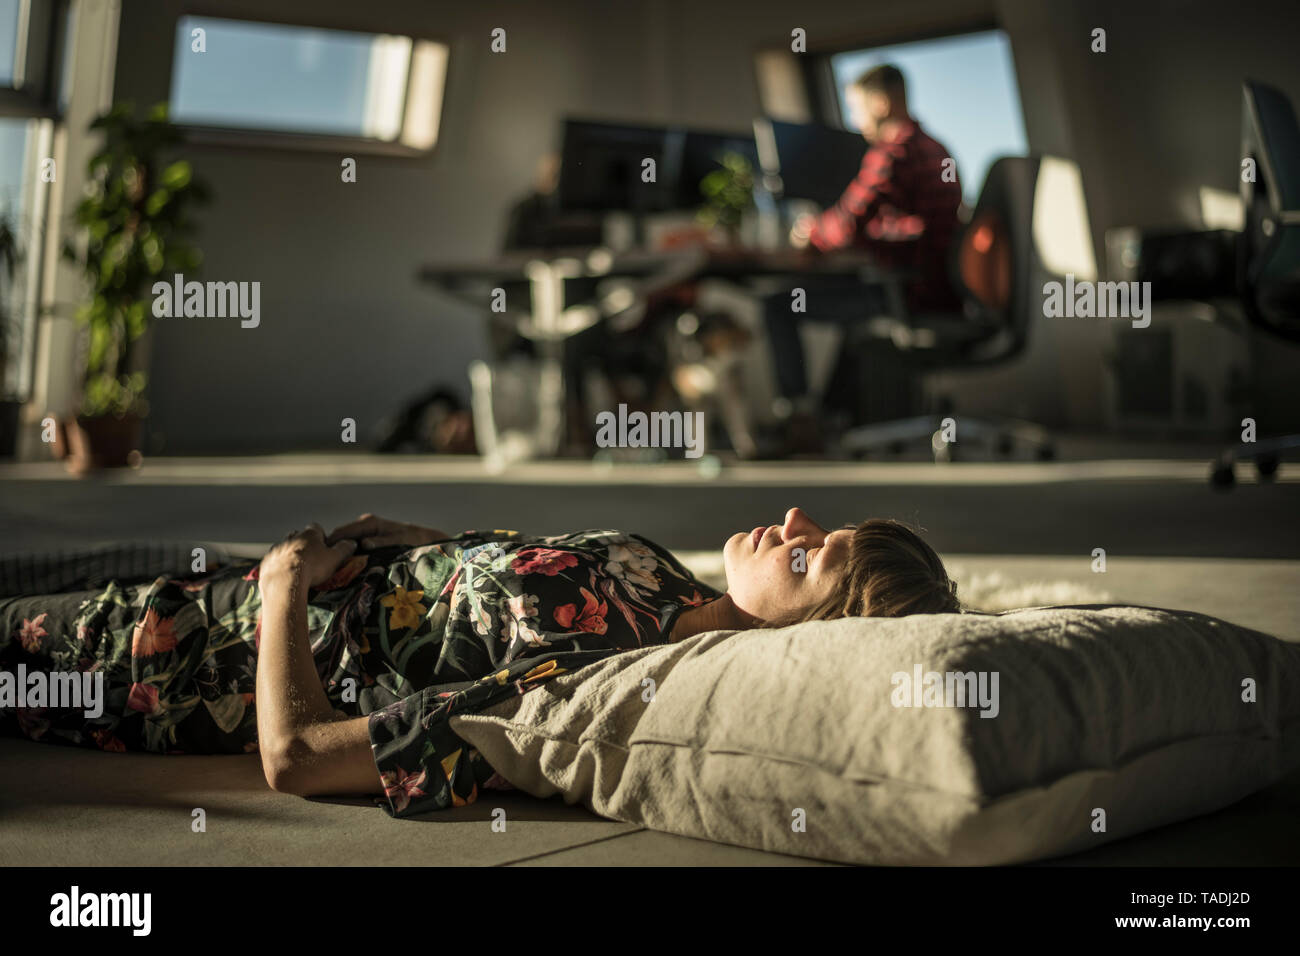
(807, 160)
(601, 167)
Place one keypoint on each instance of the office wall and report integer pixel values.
(347, 330)
(1158, 116)
(1150, 122)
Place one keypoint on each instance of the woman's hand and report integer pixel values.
(369, 532)
(307, 555)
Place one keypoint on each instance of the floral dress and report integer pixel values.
(407, 637)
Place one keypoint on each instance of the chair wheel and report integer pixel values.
(1222, 476)
(1266, 466)
(1047, 453)
(897, 447)
(1005, 446)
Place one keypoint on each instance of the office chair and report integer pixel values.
(1268, 263)
(996, 272)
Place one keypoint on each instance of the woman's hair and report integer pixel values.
(890, 572)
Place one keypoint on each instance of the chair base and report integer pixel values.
(1266, 454)
(1003, 435)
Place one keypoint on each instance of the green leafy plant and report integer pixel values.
(728, 192)
(137, 229)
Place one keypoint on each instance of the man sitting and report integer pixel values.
(902, 207)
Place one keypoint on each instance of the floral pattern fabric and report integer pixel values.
(407, 637)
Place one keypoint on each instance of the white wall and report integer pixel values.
(346, 329)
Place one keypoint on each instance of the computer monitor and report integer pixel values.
(701, 154)
(807, 160)
(601, 167)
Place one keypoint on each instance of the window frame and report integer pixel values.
(271, 140)
(35, 96)
(35, 92)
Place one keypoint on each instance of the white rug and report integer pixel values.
(995, 591)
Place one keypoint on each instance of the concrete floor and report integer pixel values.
(1139, 507)
(62, 806)
(1170, 540)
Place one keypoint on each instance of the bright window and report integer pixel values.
(9, 10)
(295, 79)
(23, 143)
(28, 58)
(963, 91)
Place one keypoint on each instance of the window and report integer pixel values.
(9, 11)
(963, 91)
(24, 144)
(275, 78)
(30, 68)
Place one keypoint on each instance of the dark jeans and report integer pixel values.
(836, 300)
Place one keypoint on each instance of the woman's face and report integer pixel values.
(768, 577)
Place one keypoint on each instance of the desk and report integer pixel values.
(640, 276)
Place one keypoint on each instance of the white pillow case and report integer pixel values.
(791, 740)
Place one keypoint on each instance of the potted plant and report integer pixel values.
(9, 402)
(728, 194)
(135, 217)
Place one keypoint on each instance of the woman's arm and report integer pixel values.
(306, 749)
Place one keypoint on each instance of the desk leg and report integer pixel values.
(551, 400)
(548, 303)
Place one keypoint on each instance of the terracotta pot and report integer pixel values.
(102, 441)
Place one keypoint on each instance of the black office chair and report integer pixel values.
(1268, 263)
(995, 269)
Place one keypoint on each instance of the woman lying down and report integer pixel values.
(358, 645)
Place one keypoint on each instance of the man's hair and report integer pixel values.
(885, 78)
(890, 572)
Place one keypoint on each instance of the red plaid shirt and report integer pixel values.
(900, 208)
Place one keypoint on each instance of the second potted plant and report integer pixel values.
(137, 231)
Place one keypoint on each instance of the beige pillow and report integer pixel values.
(1104, 721)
